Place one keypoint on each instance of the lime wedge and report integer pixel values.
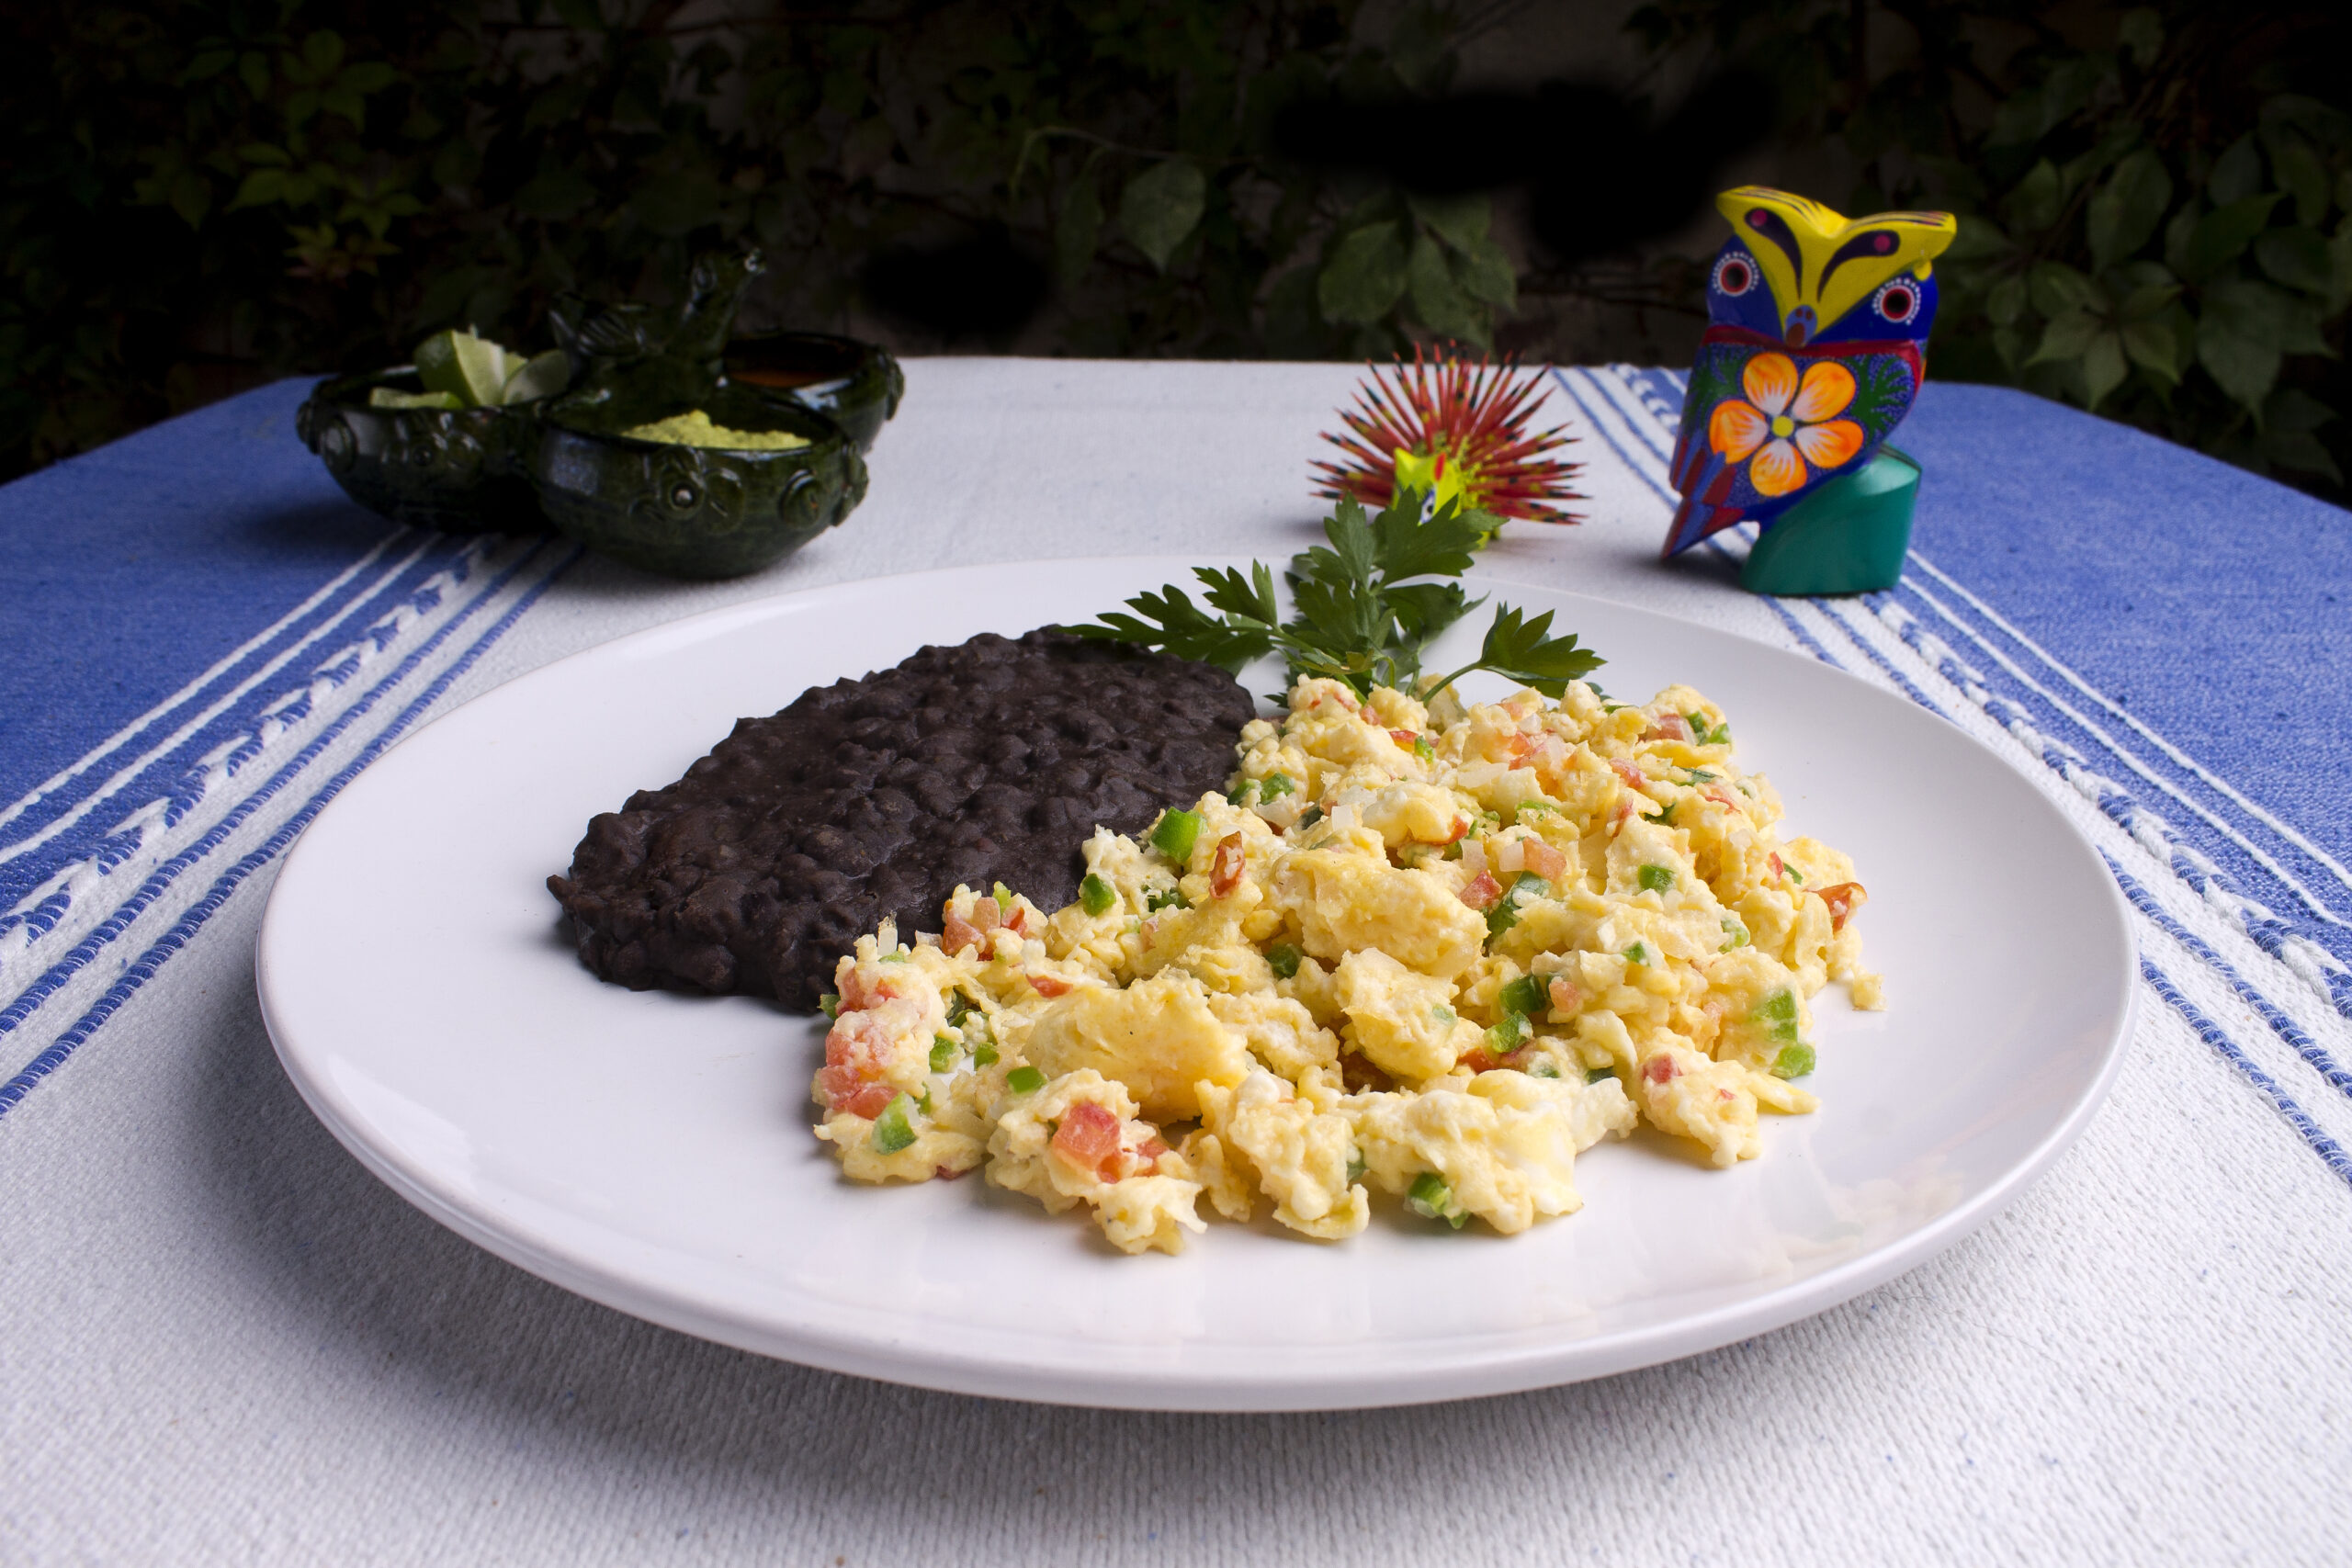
(472, 369)
(541, 377)
(393, 398)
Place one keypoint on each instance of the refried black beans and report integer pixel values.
(992, 761)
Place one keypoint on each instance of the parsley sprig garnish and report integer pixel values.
(1365, 610)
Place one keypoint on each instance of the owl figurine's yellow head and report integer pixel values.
(1796, 272)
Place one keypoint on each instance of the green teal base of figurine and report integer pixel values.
(1848, 537)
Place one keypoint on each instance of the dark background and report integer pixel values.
(2156, 200)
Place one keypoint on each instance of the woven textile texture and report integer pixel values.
(222, 1341)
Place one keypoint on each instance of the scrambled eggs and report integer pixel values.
(1433, 951)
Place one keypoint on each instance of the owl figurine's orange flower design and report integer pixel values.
(1787, 421)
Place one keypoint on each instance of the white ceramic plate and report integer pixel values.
(652, 1151)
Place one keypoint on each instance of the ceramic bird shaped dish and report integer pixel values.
(1814, 350)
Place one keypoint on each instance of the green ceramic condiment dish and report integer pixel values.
(460, 470)
(857, 385)
(700, 512)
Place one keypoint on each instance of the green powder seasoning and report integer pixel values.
(695, 429)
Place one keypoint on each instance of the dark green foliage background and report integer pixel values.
(199, 196)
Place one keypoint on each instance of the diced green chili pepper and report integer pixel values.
(1528, 996)
(1735, 932)
(959, 1008)
(1786, 1031)
(1356, 1166)
(1247, 795)
(1424, 748)
(1311, 816)
(1666, 818)
(1779, 1005)
(1793, 872)
(831, 1004)
(1432, 1198)
(1284, 958)
(1001, 894)
(984, 1055)
(1639, 953)
(1096, 896)
(943, 1053)
(1793, 1062)
(1442, 1016)
(1174, 833)
(1537, 807)
(1658, 879)
(1277, 785)
(1453, 850)
(1024, 1080)
(892, 1131)
(1594, 1075)
(1700, 776)
(1508, 1033)
(1501, 918)
(1544, 1069)
(896, 957)
(1167, 898)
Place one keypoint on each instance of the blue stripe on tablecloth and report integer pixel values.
(2319, 1059)
(144, 968)
(151, 559)
(130, 748)
(2330, 1152)
(76, 823)
(218, 825)
(1615, 401)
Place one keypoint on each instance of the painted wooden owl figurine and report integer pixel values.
(1812, 354)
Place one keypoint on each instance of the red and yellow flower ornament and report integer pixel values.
(1811, 359)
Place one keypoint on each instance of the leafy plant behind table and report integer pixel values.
(2156, 224)
(203, 195)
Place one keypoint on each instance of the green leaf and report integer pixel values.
(2237, 173)
(1437, 302)
(555, 194)
(1160, 207)
(2128, 207)
(191, 196)
(1405, 544)
(2301, 174)
(1519, 650)
(2059, 288)
(2067, 337)
(2036, 200)
(2147, 299)
(253, 70)
(2261, 310)
(1461, 221)
(2140, 32)
(2104, 368)
(1078, 230)
(2151, 345)
(2243, 364)
(1485, 275)
(207, 65)
(2007, 300)
(2293, 410)
(2222, 235)
(1365, 275)
(370, 76)
(263, 153)
(323, 51)
(2296, 257)
(2301, 451)
(260, 188)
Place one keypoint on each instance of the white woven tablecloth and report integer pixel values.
(222, 1341)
